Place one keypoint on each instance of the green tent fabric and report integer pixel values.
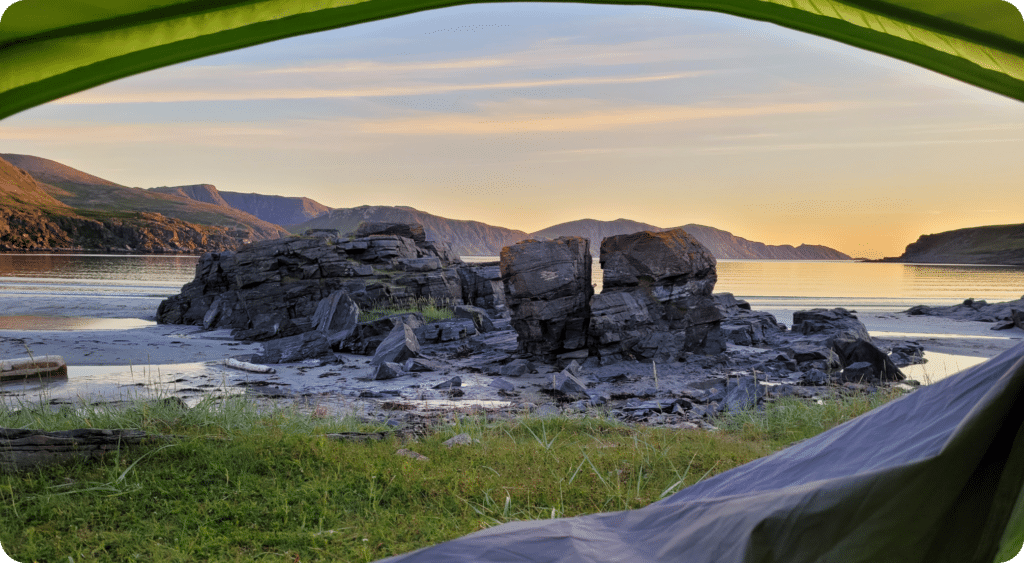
(52, 48)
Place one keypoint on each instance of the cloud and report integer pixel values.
(129, 96)
(502, 119)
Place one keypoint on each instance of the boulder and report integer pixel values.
(817, 321)
(336, 315)
(569, 386)
(368, 335)
(859, 372)
(516, 368)
(478, 315)
(400, 345)
(294, 348)
(742, 393)
(450, 384)
(422, 365)
(387, 370)
(548, 290)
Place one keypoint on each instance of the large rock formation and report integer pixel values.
(548, 290)
(657, 302)
(273, 289)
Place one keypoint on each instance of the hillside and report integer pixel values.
(276, 209)
(31, 219)
(469, 238)
(993, 244)
(722, 244)
(203, 193)
(84, 191)
(594, 230)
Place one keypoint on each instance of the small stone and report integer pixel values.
(459, 440)
(516, 368)
(412, 454)
(451, 383)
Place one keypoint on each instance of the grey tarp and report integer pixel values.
(934, 476)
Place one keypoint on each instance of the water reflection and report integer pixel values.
(135, 268)
(31, 322)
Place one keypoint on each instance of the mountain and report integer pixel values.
(993, 244)
(276, 209)
(204, 193)
(32, 219)
(726, 245)
(86, 192)
(594, 230)
(722, 244)
(469, 238)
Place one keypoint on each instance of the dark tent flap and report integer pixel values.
(934, 476)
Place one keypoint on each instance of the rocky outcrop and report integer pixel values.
(839, 331)
(1005, 315)
(286, 287)
(548, 290)
(657, 300)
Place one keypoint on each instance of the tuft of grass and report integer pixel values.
(789, 419)
(431, 308)
(242, 482)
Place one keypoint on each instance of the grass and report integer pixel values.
(432, 309)
(244, 484)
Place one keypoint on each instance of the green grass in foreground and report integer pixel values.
(245, 485)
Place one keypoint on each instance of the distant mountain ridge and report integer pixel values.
(279, 210)
(992, 244)
(468, 238)
(86, 192)
(33, 220)
(726, 245)
(722, 244)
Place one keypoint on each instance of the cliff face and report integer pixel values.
(468, 238)
(994, 244)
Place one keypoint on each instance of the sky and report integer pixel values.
(528, 115)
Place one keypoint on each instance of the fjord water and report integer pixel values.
(782, 286)
(775, 286)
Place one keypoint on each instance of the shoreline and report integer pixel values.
(111, 365)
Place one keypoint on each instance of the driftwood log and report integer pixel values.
(27, 449)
